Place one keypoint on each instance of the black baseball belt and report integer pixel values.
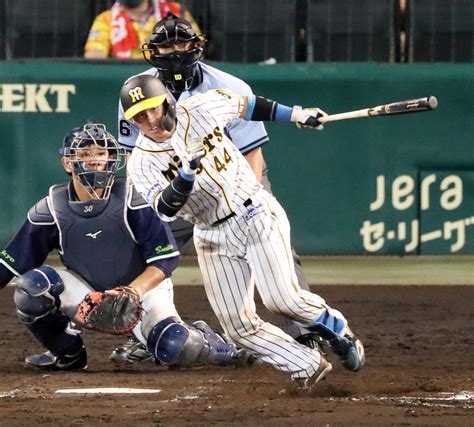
(247, 203)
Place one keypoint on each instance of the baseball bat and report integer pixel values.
(400, 107)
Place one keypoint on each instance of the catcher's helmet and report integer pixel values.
(144, 91)
(93, 135)
(68, 138)
(177, 69)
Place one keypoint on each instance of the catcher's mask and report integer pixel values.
(177, 69)
(95, 157)
(143, 92)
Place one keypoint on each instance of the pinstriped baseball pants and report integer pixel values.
(253, 249)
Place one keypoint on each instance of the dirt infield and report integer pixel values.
(420, 365)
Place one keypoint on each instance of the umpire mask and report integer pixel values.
(95, 157)
(177, 69)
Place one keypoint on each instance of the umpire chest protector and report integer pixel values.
(96, 240)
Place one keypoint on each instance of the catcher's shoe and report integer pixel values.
(307, 383)
(49, 362)
(132, 351)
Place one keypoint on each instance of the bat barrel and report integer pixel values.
(433, 102)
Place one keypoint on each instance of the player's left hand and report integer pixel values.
(116, 311)
(307, 117)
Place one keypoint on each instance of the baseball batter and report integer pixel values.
(242, 234)
(174, 50)
(87, 220)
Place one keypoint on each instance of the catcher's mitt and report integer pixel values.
(116, 311)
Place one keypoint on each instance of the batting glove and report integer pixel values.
(193, 154)
(307, 117)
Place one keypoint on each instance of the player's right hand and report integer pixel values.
(193, 154)
(307, 117)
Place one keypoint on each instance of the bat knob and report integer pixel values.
(433, 102)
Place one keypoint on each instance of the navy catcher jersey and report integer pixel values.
(108, 244)
(246, 135)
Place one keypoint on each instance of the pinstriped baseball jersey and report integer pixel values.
(222, 183)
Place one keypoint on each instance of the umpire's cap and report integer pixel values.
(142, 92)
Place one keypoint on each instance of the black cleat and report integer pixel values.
(49, 362)
(132, 351)
(311, 340)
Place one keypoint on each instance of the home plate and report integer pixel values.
(108, 390)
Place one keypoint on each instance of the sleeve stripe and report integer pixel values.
(172, 254)
(8, 267)
(253, 145)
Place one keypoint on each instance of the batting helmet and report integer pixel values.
(144, 91)
(93, 135)
(177, 69)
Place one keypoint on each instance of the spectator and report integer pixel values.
(120, 31)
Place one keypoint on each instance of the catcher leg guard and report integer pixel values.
(175, 343)
(332, 327)
(37, 304)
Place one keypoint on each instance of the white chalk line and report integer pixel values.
(108, 390)
(463, 399)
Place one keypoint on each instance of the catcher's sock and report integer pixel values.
(66, 362)
(50, 331)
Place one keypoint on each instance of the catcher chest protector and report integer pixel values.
(97, 229)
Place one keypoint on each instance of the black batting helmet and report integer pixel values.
(177, 69)
(144, 91)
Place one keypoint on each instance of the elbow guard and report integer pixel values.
(173, 197)
(265, 110)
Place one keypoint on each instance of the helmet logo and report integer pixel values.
(136, 94)
(178, 76)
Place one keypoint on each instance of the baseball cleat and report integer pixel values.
(132, 351)
(309, 382)
(350, 351)
(311, 340)
(245, 359)
(49, 362)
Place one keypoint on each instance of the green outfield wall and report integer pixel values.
(385, 185)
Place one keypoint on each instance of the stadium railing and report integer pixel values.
(259, 30)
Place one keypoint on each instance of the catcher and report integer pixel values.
(119, 257)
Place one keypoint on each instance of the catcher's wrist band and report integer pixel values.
(261, 109)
